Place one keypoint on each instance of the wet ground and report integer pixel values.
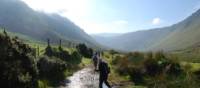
(85, 78)
(88, 78)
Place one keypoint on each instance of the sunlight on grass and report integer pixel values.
(195, 66)
(85, 62)
(43, 84)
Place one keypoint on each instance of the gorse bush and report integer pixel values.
(59, 53)
(84, 50)
(20, 68)
(154, 70)
(73, 59)
(52, 69)
(17, 66)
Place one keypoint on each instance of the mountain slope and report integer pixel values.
(140, 40)
(175, 37)
(106, 34)
(187, 34)
(17, 17)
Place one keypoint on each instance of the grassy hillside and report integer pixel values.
(140, 40)
(17, 17)
(189, 54)
(187, 33)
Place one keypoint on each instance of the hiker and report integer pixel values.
(95, 60)
(104, 70)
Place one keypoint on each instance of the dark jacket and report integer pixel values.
(104, 68)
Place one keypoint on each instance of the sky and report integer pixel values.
(118, 16)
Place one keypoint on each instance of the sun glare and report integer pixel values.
(54, 6)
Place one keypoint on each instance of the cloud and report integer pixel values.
(156, 21)
(77, 11)
(72, 7)
(120, 22)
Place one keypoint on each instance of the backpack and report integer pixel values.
(106, 67)
(95, 58)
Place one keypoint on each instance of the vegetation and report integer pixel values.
(156, 70)
(23, 66)
(84, 51)
(26, 67)
(18, 66)
(52, 69)
(30, 63)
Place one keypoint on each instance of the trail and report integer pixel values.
(85, 78)
(88, 78)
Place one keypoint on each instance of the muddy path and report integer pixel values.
(85, 78)
(88, 78)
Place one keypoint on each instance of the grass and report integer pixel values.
(195, 66)
(22, 37)
(69, 73)
(85, 62)
(43, 84)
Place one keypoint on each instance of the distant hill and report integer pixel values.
(104, 38)
(178, 36)
(106, 34)
(17, 17)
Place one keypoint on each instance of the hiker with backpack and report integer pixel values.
(104, 70)
(95, 59)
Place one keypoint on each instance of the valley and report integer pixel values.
(48, 50)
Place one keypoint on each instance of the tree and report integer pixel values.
(84, 50)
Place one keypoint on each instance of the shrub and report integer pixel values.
(17, 65)
(174, 69)
(115, 61)
(152, 69)
(136, 76)
(52, 69)
(58, 53)
(63, 54)
(84, 50)
(76, 58)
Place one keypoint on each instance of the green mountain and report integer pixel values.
(17, 17)
(186, 34)
(178, 36)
